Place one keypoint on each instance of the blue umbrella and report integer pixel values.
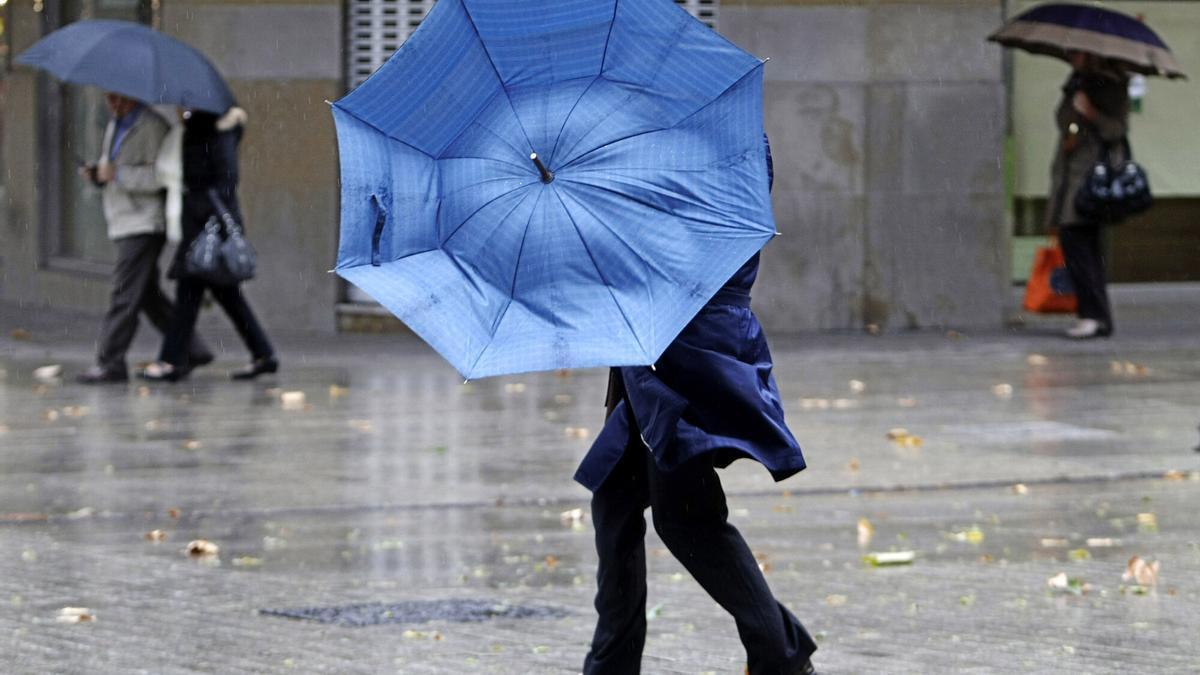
(543, 184)
(133, 60)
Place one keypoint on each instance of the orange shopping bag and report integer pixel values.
(1049, 288)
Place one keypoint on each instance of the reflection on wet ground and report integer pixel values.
(360, 477)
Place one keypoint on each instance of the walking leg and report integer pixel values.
(618, 508)
(1081, 245)
(691, 516)
(238, 310)
(188, 295)
(136, 267)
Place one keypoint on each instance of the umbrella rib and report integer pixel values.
(499, 79)
(695, 112)
(513, 288)
(558, 138)
(482, 207)
(600, 274)
(367, 122)
(652, 206)
(608, 38)
(648, 262)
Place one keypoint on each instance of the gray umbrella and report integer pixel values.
(133, 60)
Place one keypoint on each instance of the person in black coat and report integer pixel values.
(210, 166)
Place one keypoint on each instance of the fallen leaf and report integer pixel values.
(1055, 543)
(292, 400)
(515, 388)
(541, 649)
(273, 392)
(201, 548)
(845, 403)
(1020, 489)
(364, 426)
(574, 519)
(1080, 554)
(50, 374)
(1036, 360)
(1103, 542)
(1175, 475)
(50, 415)
(1142, 572)
(85, 512)
(654, 612)
(247, 561)
(887, 558)
(173, 513)
(143, 391)
(873, 329)
(20, 334)
(1147, 522)
(551, 562)
(192, 445)
(1064, 584)
(835, 600)
(576, 432)
(973, 535)
(337, 392)
(1003, 391)
(901, 436)
(853, 465)
(76, 411)
(155, 536)
(865, 531)
(563, 399)
(75, 615)
(858, 386)
(906, 402)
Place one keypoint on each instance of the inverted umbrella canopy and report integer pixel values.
(543, 184)
(133, 60)
(1059, 28)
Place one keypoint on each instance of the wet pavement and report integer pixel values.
(368, 475)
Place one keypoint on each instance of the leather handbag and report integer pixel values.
(1110, 194)
(1049, 290)
(221, 255)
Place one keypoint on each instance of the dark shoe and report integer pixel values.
(263, 366)
(163, 372)
(201, 360)
(806, 669)
(98, 375)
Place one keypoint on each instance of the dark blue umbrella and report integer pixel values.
(1060, 28)
(541, 184)
(133, 60)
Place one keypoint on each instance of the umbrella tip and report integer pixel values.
(328, 102)
(778, 233)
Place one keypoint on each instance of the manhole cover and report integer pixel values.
(416, 611)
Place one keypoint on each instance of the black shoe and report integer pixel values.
(98, 375)
(201, 361)
(263, 366)
(163, 372)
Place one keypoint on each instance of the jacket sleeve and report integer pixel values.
(136, 161)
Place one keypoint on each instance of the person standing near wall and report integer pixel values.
(210, 166)
(1092, 117)
(134, 203)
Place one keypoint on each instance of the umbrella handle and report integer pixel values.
(547, 175)
(381, 215)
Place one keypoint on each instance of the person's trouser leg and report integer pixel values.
(234, 303)
(159, 311)
(136, 269)
(618, 508)
(691, 516)
(188, 295)
(1083, 251)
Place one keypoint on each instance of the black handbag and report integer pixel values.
(221, 255)
(1110, 194)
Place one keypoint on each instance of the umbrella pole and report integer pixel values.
(547, 176)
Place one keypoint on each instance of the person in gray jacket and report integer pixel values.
(134, 208)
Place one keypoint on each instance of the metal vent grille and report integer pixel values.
(376, 29)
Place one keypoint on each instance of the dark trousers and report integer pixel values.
(1083, 250)
(135, 291)
(188, 295)
(690, 514)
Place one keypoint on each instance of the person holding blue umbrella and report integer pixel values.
(549, 184)
(710, 400)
